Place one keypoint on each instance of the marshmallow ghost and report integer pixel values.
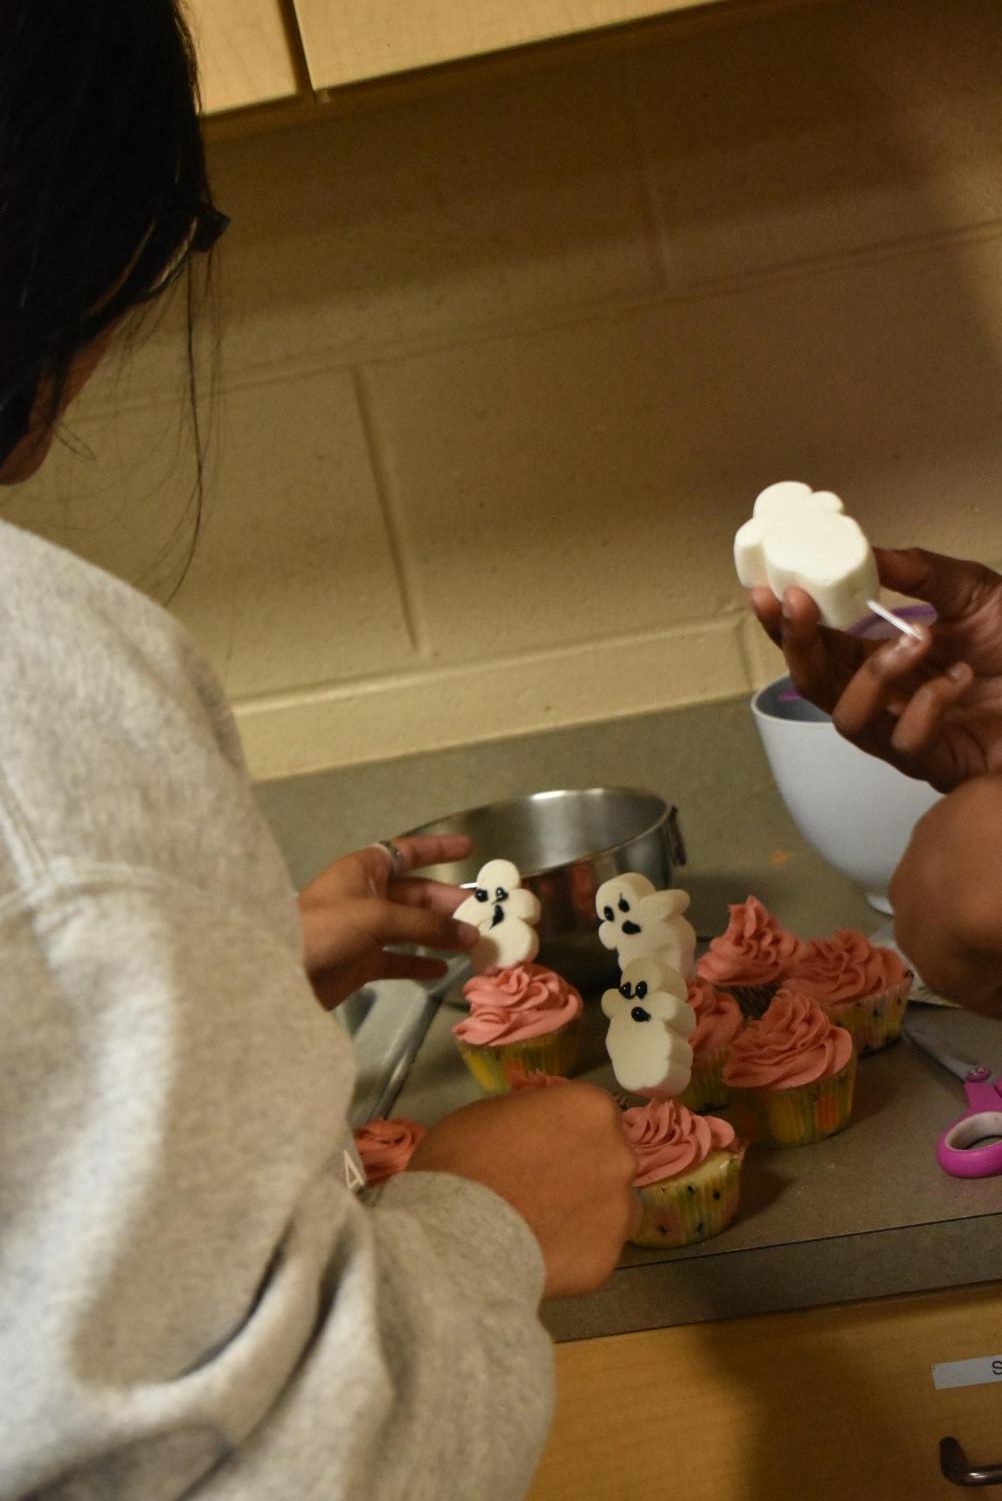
(638, 920)
(802, 536)
(503, 910)
(649, 1028)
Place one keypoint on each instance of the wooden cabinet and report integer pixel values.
(346, 41)
(250, 51)
(244, 52)
(818, 1406)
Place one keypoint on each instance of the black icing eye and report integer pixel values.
(638, 1013)
(626, 990)
(480, 894)
(608, 914)
(641, 989)
(624, 905)
(501, 894)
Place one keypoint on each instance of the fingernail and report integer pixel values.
(958, 672)
(467, 933)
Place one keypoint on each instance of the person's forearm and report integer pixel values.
(947, 896)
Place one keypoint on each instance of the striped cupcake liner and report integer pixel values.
(694, 1206)
(795, 1117)
(876, 1021)
(706, 1089)
(493, 1067)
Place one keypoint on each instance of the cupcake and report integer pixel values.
(861, 987)
(386, 1147)
(750, 959)
(718, 1022)
(522, 1019)
(533, 1079)
(688, 1173)
(791, 1074)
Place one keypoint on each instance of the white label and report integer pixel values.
(967, 1372)
(354, 1177)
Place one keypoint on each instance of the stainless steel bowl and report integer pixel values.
(565, 844)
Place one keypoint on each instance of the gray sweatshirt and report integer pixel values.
(192, 1302)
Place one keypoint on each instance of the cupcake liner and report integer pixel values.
(874, 1022)
(492, 1065)
(693, 1206)
(795, 1117)
(753, 999)
(706, 1089)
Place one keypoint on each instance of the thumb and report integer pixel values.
(954, 586)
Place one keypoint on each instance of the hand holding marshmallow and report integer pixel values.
(650, 1024)
(802, 536)
(504, 911)
(637, 920)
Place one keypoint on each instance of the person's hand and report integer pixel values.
(559, 1156)
(365, 901)
(931, 707)
(947, 896)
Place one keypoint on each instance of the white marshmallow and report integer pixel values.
(504, 911)
(650, 1024)
(637, 920)
(803, 537)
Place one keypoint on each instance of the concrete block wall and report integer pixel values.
(505, 364)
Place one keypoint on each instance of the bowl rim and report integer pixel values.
(557, 792)
(761, 713)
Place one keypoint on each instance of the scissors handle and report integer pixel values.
(983, 1092)
(958, 1151)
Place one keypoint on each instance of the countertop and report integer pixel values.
(865, 1214)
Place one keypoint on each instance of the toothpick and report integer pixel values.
(902, 625)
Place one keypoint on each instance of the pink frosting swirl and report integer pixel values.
(669, 1139)
(844, 967)
(793, 1043)
(755, 950)
(718, 1017)
(510, 1005)
(533, 1078)
(386, 1147)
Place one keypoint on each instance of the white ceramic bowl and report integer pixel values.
(856, 811)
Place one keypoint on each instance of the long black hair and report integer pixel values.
(103, 188)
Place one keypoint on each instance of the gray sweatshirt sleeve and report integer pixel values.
(194, 1302)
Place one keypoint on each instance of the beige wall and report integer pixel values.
(505, 366)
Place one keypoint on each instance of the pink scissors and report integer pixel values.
(972, 1146)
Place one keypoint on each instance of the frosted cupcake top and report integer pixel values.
(514, 1004)
(718, 1017)
(844, 967)
(794, 1043)
(386, 1147)
(755, 950)
(670, 1140)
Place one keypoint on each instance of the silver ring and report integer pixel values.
(398, 859)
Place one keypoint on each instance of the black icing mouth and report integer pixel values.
(498, 915)
(631, 927)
